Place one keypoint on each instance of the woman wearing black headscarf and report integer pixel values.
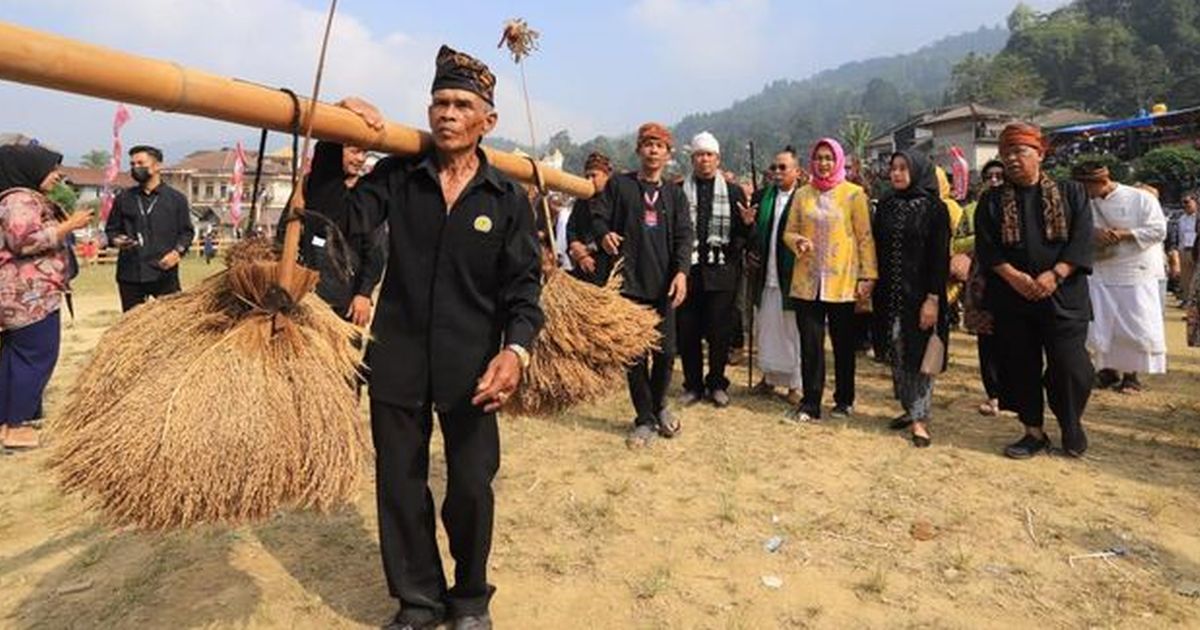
(33, 274)
(912, 241)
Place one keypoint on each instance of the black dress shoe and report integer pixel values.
(473, 622)
(1027, 447)
(406, 620)
(900, 423)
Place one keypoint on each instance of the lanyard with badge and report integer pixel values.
(144, 217)
(649, 201)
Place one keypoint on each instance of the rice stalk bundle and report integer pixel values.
(221, 404)
(592, 334)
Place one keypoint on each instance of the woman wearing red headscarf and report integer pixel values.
(829, 229)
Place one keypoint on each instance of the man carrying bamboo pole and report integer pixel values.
(462, 282)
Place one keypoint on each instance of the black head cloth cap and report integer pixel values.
(460, 71)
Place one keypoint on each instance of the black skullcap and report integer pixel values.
(460, 71)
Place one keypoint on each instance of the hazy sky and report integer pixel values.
(603, 67)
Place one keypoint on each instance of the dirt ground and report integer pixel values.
(874, 533)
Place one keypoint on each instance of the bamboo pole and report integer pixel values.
(37, 58)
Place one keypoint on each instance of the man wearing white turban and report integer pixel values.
(707, 314)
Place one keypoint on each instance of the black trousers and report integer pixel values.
(1066, 374)
(989, 365)
(407, 525)
(705, 316)
(650, 377)
(811, 317)
(135, 293)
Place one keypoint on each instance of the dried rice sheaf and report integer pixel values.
(204, 407)
(592, 334)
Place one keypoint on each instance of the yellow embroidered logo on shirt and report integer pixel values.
(483, 224)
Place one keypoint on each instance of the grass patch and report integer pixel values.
(652, 584)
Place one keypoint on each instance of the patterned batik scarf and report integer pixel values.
(1052, 211)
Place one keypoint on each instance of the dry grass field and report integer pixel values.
(875, 534)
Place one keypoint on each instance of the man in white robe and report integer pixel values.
(777, 339)
(1126, 336)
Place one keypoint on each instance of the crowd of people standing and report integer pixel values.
(1060, 281)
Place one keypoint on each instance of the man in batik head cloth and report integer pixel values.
(1127, 335)
(1033, 236)
(644, 219)
(583, 246)
(457, 317)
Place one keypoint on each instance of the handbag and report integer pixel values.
(935, 356)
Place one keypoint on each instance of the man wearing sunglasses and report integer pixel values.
(775, 330)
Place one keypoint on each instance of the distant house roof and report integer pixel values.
(93, 177)
(1055, 118)
(222, 160)
(969, 111)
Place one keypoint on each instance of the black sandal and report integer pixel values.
(921, 441)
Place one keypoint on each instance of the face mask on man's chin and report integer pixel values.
(140, 174)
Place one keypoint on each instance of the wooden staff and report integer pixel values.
(36, 58)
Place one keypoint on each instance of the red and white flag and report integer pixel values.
(114, 163)
(239, 170)
(961, 170)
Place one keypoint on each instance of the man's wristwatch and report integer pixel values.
(521, 352)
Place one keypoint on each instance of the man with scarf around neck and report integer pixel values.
(715, 207)
(1033, 236)
(770, 259)
(152, 227)
(1127, 334)
(643, 220)
(457, 316)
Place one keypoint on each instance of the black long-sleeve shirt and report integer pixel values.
(366, 255)
(459, 281)
(658, 243)
(158, 221)
(1034, 254)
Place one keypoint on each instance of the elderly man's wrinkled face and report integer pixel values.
(459, 119)
(1022, 163)
(705, 164)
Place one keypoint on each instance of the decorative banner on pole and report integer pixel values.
(239, 170)
(114, 163)
(961, 171)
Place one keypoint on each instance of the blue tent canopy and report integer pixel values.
(1109, 125)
